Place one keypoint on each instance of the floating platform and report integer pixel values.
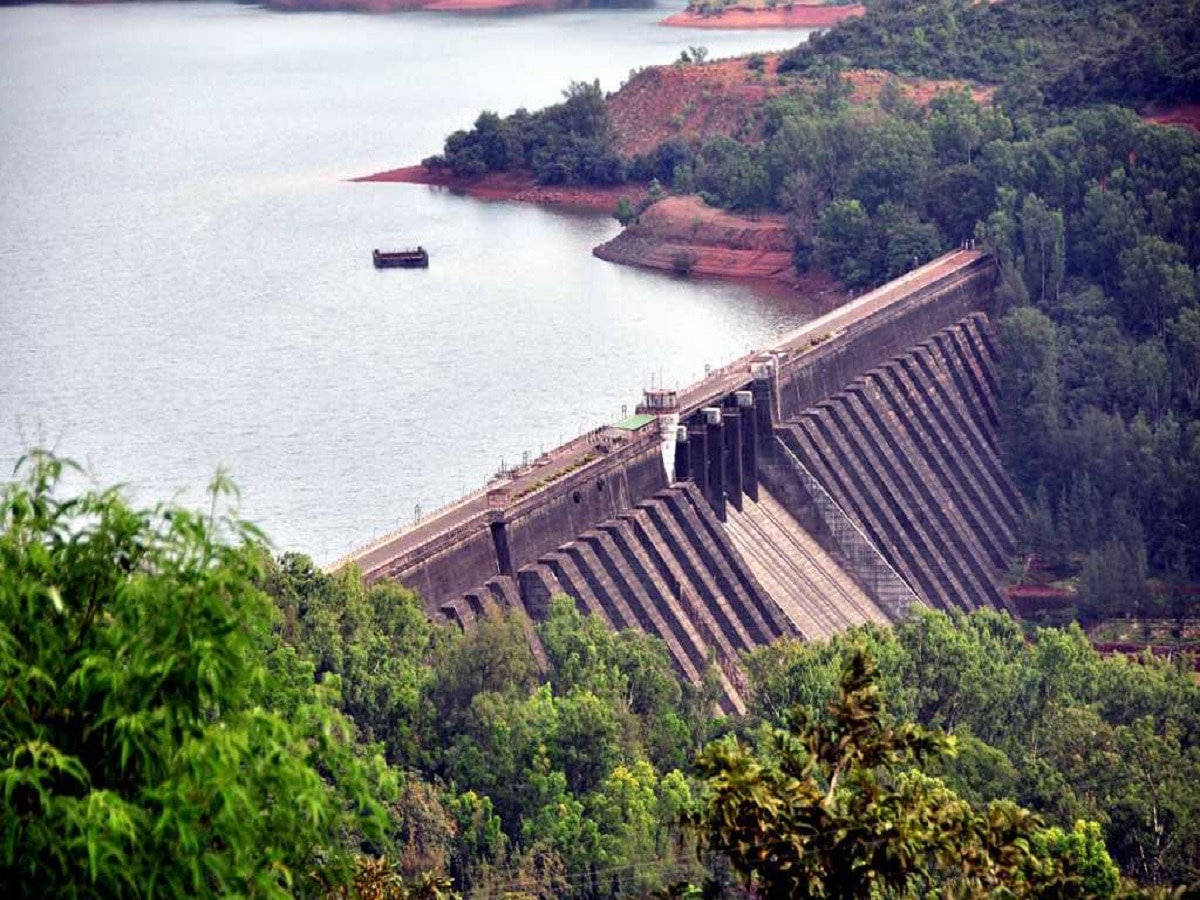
(415, 258)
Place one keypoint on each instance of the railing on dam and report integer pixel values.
(358, 553)
(882, 582)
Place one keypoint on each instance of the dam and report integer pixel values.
(833, 479)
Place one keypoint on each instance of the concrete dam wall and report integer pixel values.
(909, 452)
(828, 481)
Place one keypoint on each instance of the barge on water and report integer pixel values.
(416, 258)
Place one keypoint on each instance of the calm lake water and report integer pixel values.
(185, 277)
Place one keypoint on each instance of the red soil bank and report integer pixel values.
(682, 233)
(867, 83)
(799, 15)
(515, 186)
(696, 102)
(690, 101)
(1185, 114)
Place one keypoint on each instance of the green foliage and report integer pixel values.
(1042, 721)
(831, 807)
(1156, 283)
(567, 143)
(624, 211)
(158, 710)
(1029, 388)
(726, 171)
(670, 162)
(843, 228)
(1059, 51)
(373, 640)
(135, 755)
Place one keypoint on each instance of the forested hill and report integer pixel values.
(1094, 217)
(1071, 51)
(1092, 212)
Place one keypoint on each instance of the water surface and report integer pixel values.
(185, 277)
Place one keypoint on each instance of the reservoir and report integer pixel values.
(185, 271)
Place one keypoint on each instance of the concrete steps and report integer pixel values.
(909, 450)
(666, 568)
(805, 582)
(877, 520)
(900, 474)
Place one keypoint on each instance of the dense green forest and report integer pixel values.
(184, 715)
(1055, 52)
(1092, 213)
(568, 143)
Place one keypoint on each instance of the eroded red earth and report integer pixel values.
(692, 102)
(1184, 114)
(751, 15)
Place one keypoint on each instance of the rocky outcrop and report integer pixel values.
(686, 236)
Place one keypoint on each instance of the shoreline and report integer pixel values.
(513, 187)
(682, 234)
(800, 15)
(715, 243)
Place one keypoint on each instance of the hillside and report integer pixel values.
(686, 236)
(664, 116)
(759, 14)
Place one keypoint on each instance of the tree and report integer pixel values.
(135, 755)
(1043, 243)
(893, 164)
(624, 212)
(1029, 391)
(1107, 225)
(843, 231)
(373, 639)
(834, 87)
(1185, 332)
(501, 144)
(584, 111)
(831, 808)
(954, 126)
(903, 241)
(958, 197)
(493, 658)
(1156, 283)
(729, 175)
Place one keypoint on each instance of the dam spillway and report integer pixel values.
(830, 480)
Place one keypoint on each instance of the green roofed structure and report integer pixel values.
(635, 423)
